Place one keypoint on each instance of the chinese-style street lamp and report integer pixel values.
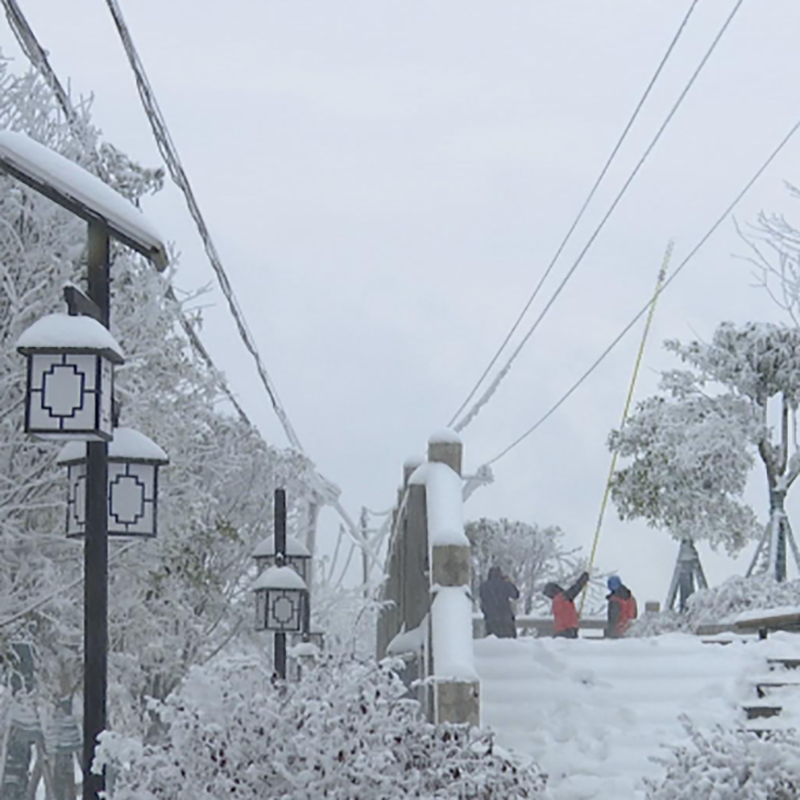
(133, 462)
(70, 378)
(281, 594)
(108, 215)
(296, 555)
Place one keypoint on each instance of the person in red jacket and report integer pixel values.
(565, 615)
(622, 608)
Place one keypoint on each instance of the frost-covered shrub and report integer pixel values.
(719, 605)
(344, 732)
(734, 765)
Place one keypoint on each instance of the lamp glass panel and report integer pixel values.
(64, 394)
(131, 499)
(76, 500)
(284, 609)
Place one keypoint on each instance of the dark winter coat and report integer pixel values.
(622, 611)
(496, 594)
(565, 615)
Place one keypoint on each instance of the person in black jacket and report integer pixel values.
(497, 592)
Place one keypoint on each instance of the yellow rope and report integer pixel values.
(659, 285)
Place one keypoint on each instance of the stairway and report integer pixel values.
(780, 691)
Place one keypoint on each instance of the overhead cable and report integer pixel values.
(487, 395)
(170, 155)
(793, 130)
(579, 216)
(37, 55)
(324, 488)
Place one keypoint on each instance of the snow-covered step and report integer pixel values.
(594, 714)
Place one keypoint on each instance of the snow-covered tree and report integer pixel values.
(528, 554)
(692, 447)
(730, 764)
(174, 601)
(718, 605)
(690, 457)
(346, 730)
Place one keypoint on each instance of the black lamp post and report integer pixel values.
(281, 594)
(108, 215)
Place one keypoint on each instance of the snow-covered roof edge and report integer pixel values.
(51, 173)
(128, 444)
(278, 578)
(294, 547)
(63, 333)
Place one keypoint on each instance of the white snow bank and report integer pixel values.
(278, 578)
(409, 641)
(451, 635)
(127, 444)
(51, 169)
(63, 332)
(594, 713)
(294, 547)
(444, 502)
(445, 436)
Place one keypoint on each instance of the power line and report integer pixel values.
(645, 308)
(487, 395)
(170, 155)
(37, 55)
(325, 489)
(583, 208)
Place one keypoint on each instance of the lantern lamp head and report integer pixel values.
(133, 462)
(281, 595)
(297, 555)
(70, 378)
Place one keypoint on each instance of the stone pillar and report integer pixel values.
(445, 447)
(415, 574)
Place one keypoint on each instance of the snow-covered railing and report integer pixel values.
(427, 616)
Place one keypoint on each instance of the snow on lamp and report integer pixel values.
(297, 555)
(133, 462)
(70, 378)
(281, 595)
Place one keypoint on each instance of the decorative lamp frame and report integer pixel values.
(281, 597)
(133, 462)
(70, 381)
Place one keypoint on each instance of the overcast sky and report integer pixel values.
(386, 183)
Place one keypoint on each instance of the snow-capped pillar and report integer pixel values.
(456, 689)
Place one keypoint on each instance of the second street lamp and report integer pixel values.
(133, 462)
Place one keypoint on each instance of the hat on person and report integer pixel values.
(613, 583)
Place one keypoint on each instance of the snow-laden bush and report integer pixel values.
(345, 731)
(730, 765)
(721, 604)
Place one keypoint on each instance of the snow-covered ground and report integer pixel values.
(592, 712)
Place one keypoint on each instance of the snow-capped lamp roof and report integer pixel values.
(84, 194)
(278, 578)
(65, 334)
(266, 548)
(127, 445)
(444, 436)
